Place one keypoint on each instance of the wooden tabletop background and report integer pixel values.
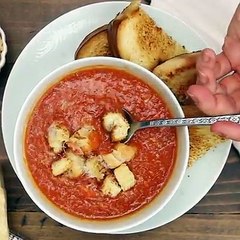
(215, 217)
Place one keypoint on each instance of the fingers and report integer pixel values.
(203, 98)
(211, 67)
(212, 104)
(231, 83)
(205, 65)
(227, 129)
(223, 66)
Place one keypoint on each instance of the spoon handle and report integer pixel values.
(190, 121)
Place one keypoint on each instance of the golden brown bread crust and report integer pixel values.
(201, 141)
(178, 73)
(94, 44)
(201, 138)
(135, 37)
(191, 110)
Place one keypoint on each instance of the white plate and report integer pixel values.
(55, 45)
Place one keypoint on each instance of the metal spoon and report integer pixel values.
(175, 122)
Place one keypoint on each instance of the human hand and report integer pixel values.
(214, 96)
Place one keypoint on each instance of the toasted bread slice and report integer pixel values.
(201, 137)
(178, 73)
(201, 141)
(134, 36)
(192, 111)
(94, 44)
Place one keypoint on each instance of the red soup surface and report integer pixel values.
(84, 97)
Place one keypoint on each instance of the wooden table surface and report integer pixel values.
(216, 216)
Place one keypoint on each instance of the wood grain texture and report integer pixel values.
(215, 217)
(189, 227)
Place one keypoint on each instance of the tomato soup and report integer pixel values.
(83, 97)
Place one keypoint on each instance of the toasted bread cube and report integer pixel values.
(117, 124)
(80, 146)
(110, 187)
(77, 165)
(111, 161)
(85, 131)
(124, 177)
(79, 142)
(123, 152)
(94, 168)
(110, 120)
(57, 136)
(61, 166)
(119, 133)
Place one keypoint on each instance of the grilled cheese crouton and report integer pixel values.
(85, 131)
(77, 164)
(135, 37)
(57, 136)
(117, 125)
(94, 44)
(61, 166)
(94, 168)
(111, 161)
(80, 142)
(110, 186)
(120, 154)
(124, 152)
(178, 73)
(124, 177)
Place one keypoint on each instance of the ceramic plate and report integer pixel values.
(55, 45)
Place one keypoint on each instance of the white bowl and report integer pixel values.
(122, 223)
(4, 49)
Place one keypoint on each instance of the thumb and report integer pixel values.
(228, 130)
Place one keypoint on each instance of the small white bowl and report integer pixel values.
(125, 222)
(3, 51)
